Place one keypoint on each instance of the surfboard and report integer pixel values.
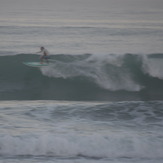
(36, 64)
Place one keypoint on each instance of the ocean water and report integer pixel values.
(100, 100)
(102, 132)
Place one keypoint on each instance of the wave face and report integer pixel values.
(83, 77)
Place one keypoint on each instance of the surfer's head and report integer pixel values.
(42, 48)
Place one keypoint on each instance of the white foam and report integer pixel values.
(113, 145)
(153, 66)
(105, 70)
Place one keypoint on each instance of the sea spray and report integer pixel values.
(107, 71)
(153, 66)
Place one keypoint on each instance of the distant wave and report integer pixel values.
(83, 77)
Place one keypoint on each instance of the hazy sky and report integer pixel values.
(129, 10)
(81, 5)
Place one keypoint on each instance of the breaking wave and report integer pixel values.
(83, 77)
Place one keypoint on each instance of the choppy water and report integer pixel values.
(56, 131)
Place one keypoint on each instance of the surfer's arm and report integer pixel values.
(39, 51)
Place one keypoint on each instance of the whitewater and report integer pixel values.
(55, 131)
(100, 99)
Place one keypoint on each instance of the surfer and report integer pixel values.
(44, 56)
